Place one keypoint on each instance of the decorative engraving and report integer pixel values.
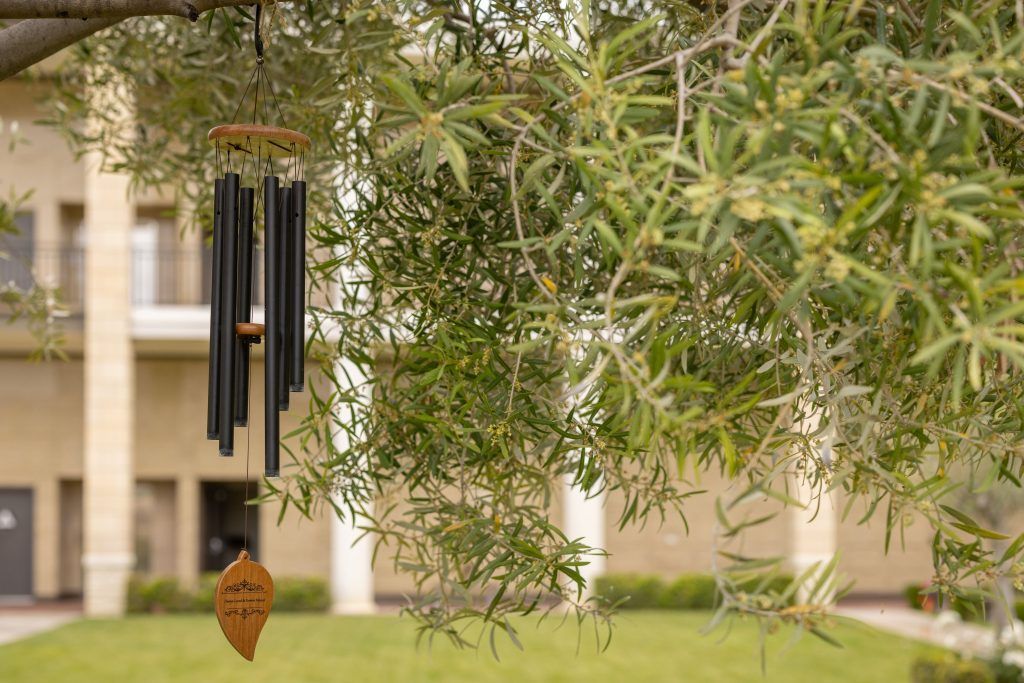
(244, 586)
(245, 612)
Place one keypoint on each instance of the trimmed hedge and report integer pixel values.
(689, 591)
(946, 668)
(166, 595)
(156, 596)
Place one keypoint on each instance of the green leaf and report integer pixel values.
(405, 92)
(967, 524)
(456, 160)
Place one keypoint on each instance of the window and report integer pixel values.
(19, 253)
(156, 259)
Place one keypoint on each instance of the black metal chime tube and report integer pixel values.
(284, 280)
(297, 286)
(272, 245)
(228, 263)
(213, 384)
(244, 297)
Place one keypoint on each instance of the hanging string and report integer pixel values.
(270, 86)
(256, 97)
(244, 93)
(258, 74)
(266, 107)
(267, 86)
(261, 78)
(245, 503)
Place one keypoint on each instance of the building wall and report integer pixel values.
(41, 429)
(36, 161)
(41, 433)
(864, 559)
(669, 548)
(41, 444)
(171, 440)
(39, 161)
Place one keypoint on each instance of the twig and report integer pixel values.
(805, 331)
(994, 112)
(763, 33)
(515, 378)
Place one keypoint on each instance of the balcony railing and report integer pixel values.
(167, 277)
(160, 277)
(60, 266)
(170, 277)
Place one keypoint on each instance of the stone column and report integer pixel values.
(585, 518)
(351, 556)
(351, 568)
(108, 482)
(814, 527)
(813, 532)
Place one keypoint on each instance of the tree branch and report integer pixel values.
(33, 40)
(95, 9)
(110, 9)
(49, 26)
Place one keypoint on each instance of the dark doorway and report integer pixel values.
(16, 542)
(71, 537)
(223, 532)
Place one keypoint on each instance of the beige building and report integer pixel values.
(104, 465)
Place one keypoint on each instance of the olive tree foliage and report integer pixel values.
(630, 243)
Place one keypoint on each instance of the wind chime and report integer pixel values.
(249, 158)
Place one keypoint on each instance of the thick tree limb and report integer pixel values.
(33, 40)
(95, 9)
(110, 9)
(52, 25)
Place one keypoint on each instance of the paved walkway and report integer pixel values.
(16, 624)
(945, 630)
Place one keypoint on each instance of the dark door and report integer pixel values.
(224, 524)
(15, 542)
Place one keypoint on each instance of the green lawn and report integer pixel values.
(646, 646)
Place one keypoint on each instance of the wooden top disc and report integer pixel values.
(251, 138)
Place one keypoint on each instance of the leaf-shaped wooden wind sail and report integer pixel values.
(245, 594)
